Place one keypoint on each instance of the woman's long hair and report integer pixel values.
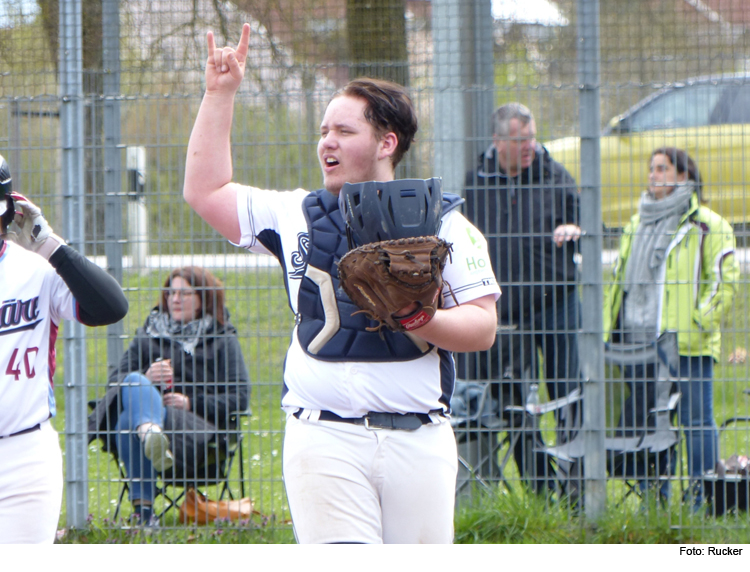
(209, 288)
(683, 163)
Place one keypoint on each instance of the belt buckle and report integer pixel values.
(367, 422)
(375, 424)
(397, 422)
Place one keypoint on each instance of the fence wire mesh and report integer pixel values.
(672, 73)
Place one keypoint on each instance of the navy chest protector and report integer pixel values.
(326, 328)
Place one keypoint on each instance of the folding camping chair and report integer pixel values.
(215, 469)
(482, 430)
(645, 450)
(487, 415)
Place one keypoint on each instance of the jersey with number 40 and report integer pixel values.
(33, 300)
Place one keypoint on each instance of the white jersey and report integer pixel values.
(33, 300)
(274, 223)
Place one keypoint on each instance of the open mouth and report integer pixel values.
(331, 162)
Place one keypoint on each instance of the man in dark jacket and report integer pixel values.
(526, 204)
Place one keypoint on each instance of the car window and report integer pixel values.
(734, 106)
(689, 106)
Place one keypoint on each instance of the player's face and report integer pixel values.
(183, 302)
(663, 176)
(349, 149)
(517, 151)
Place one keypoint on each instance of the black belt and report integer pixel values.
(29, 430)
(374, 420)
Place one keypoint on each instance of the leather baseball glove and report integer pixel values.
(385, 277)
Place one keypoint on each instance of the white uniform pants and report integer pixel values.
(347, 483)
(31, 484)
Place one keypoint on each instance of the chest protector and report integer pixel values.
(325, 326)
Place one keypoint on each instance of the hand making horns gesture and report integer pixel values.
(225, 67)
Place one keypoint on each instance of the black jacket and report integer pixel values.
(214, 377)
(518, 216)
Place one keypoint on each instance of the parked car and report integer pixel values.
(707, 116)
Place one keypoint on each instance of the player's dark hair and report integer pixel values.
(389, 109)
(209, 288)
(683, 163)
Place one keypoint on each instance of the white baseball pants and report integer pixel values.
(347, 483)
(31, 486)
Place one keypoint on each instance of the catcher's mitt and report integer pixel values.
(385, 277)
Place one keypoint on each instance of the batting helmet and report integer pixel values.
(6, 186)
(404, 208)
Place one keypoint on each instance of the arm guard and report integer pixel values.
(99, 298)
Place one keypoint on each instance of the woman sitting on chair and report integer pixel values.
(178, 385)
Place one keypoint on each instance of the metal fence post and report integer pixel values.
(112, 162)
(464, 80)
(71, 125)
(590, 339)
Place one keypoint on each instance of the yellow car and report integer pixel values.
(709, 117)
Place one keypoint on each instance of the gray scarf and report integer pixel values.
(187, 334)
(659, 220)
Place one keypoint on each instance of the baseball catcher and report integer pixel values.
(369, 453)
(395, 276)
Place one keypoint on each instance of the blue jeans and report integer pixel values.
(696, 414)
(555, 330)
(141, 403)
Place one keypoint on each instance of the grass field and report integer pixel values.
(257, 302)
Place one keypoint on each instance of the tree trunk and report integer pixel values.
(377, 39)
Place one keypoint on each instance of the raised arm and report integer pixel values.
(208, 169)
(99, 298)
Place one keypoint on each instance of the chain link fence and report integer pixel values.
(98, 97)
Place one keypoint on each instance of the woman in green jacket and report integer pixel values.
(676, 270)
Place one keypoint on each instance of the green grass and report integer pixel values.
(527, 519)
(259, 309)
(254, 531)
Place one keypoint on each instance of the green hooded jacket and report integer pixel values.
(700, 278)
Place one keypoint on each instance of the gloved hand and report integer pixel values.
(35, 232)
(389, 277)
